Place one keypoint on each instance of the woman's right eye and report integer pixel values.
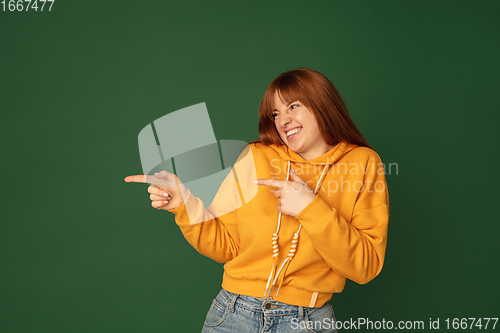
(274, 115)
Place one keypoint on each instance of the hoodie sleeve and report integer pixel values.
(213, 235)
(214, 231)
(355, 249)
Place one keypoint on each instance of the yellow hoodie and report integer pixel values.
(344, 229)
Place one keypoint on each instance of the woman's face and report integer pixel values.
(298, 129)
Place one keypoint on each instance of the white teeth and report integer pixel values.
(292, 132)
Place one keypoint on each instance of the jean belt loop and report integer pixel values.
(301, 313)
(231, 303)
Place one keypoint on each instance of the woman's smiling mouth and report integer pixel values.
(293, 133)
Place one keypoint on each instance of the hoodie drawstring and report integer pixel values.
(280, 274)
(276, 250)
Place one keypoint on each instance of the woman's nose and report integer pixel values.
(284, 119)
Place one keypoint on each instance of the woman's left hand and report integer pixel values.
(293, 196)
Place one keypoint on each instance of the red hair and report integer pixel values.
(319, 95)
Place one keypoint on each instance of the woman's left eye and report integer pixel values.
(294, 106)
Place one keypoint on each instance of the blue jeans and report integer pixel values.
(238, 313)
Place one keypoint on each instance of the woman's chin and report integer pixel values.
(295, 148)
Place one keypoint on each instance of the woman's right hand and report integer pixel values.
(166, 191)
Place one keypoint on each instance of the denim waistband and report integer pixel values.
(267, 305)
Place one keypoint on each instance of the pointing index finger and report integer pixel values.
(136, 179)
(270, 182)
(146, 179)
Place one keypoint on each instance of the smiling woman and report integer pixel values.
(298, 128)
(275, 275)
(301, 89)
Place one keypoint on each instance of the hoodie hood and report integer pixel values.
(330, 157)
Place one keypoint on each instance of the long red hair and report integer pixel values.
(319, 95)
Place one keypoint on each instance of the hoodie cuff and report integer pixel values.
(315, 214)
(182, 208)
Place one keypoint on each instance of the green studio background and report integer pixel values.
(83, 251)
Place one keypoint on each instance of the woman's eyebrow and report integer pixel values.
(287, 105)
